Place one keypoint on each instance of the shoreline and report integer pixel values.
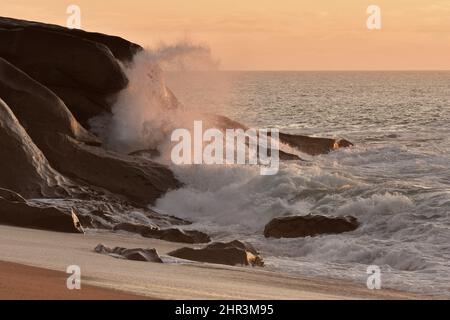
(52, 252)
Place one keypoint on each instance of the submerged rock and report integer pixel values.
(170, 234)
(312, 145)
(229, 253)
(137, 254)
(309, 225)
(309, 145)
(285, 156)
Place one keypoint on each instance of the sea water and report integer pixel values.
(395, 181)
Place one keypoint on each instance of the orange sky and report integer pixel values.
(272, 34)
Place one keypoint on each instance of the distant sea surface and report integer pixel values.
(396, 180)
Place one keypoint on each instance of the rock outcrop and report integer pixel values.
(47, 74)
(16, 211)
(122, 49)
(137, 254)
(229, 253)
(72, 150)
(83, 68)
(309, 225)
(168, 234)
(309, 145)
(24, 169)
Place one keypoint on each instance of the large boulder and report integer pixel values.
(168, 234)
(309, 225)
(24, 168)
(16, 211)
(84, 105)
(72, 150)
(312, 145)
(38, 109)
(57, 59)
(228, 253)
(137, 180)
(122, 49)
(83, 68)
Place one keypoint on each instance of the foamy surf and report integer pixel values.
(395, 184)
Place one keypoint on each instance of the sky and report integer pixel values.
(272, 34)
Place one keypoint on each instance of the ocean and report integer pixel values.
(395, 180)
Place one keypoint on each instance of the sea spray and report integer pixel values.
(404, 220)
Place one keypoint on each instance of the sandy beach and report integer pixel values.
(104, 277)
(21, 282)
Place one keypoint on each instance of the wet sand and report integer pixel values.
(100, 273)
(21, 282)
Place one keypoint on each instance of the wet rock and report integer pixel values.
(312, 145)
(73, 151)
(137, 254)
(38, 109)
(83, 104)
(229, 253)
(169, 234)
(11, 196)
(309, 225)
(31, 215)
(309, 145)
(24, 169)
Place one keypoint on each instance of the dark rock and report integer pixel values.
(122, 49)
(309, 225)
(288, 156)
(11, 196)
(231, 253)
(309, 145)
(138, 254)
(57, 59)
(170, 234)
(312, 145)
(139, 181)
(24, 169)
(79, 66)
(37, 108)
(83, 105)
(71, 150)
(30, 215)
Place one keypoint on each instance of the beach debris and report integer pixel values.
(229, 253)
(309, 225)
(135, 254)
(169, 234)
(76, 222)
